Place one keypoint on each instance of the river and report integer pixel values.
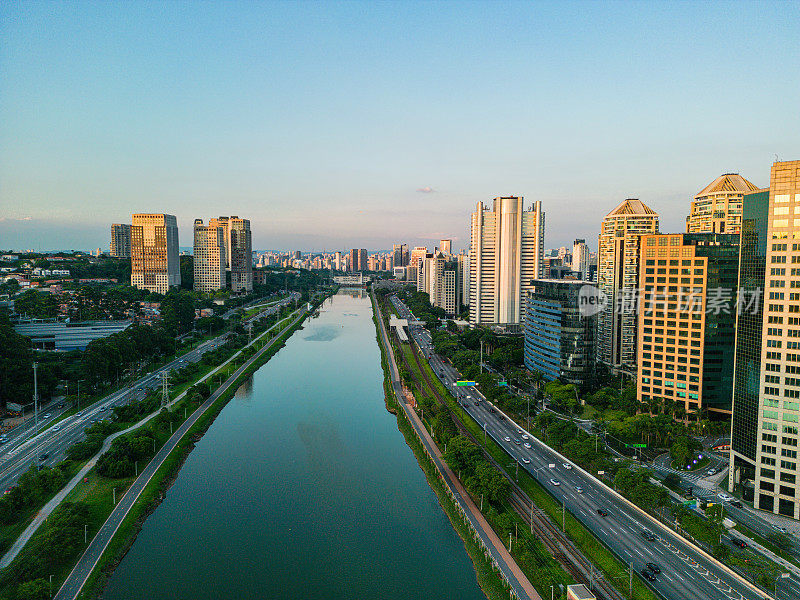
(303, 487)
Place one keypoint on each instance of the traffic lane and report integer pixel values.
(622, 537)
(708, 588)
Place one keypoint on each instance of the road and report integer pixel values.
(80, 573)
(685, 571)
(24, 449)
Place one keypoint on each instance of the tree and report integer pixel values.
(38, 589)
(462, 455)
(16, 364)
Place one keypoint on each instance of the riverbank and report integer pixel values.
(156, 489)
(490, 576)
(169, 458)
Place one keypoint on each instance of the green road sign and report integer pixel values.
(465, 383)
(636, 445)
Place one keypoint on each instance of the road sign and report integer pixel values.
(601, 472)
(503, 383)
(466, 383)
(636, 445)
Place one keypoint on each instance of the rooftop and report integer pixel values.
(632, 206)
(728, 182)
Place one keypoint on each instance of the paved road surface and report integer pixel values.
(686, 572)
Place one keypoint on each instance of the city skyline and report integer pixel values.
(399, 140)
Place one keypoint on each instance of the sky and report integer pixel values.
(333, 125)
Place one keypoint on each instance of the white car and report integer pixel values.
(527, 461)
(57, 428)
(524, 437)
(725, 497)
(579, 489)
(47, 416)
(555, 482)
(567, 466)
(508, 439)
(527, 445)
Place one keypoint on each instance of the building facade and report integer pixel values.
(747, 365)
(618, 280)
(506, 252)
(446, 247)
(559, 339)
(687, 307)
(154, 252)
(717, 208)
(209, 258)
(580, 259)
(120, 246)
(776, 486)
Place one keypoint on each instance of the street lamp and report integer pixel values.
(781, 576)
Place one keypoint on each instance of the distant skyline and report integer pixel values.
(347, 124)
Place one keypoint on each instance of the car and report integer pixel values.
(527, 461)
(653, 567)
(780, 528)
(527, 445)
(736, 503)
(738, 543)
(477, 404)
(491, 410)
(44, 456)
(517, 442)
(648, 574)
(47, 416)
(60, 405)
(725, 497)
(602, 512)
(57, 428)
(524, 437)
(567, 466)
(102, 408)
(79, 413)
(508, 439)
(519, 431)
(711, 472)
(579, 489)
(555, 482)
(648, 535)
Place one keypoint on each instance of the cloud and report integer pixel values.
(4, 219)
(426, 190)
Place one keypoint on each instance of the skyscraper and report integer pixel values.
(618, 280)
(580, 258)
(400, 255)
(120, 240)
(717, 208)
(209, 257)
(559, 340)
(687, 284)
(238, 251)
(463, 279)
(446, 246)
(154, 252)
(506, 252)
(774, 462)
(358, 259)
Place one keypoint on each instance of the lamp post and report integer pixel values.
(781, 576)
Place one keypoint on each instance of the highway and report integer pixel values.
(23, 449)
(685, 572)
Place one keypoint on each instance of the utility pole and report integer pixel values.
(630, 585)
(481, 356)
(563, 517)
(35, 396)
(164, 388)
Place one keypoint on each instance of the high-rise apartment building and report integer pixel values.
(687, 305)
(238, 251)
(506, 252)
(717, 208)
(400, 255)
(446, 246)
(358, 259)
(438, 278)
(120, 246)
(618, 281)
(209, 258)
(463, 279)
(155, 262)
(580, 259)
(764, 436)
(559, 340)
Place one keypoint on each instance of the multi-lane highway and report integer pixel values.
(24, 447)
(686, 573)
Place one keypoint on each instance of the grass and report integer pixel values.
(702, 463)
(612, 567)
(766, 543)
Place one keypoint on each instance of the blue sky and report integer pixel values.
(322, 121)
